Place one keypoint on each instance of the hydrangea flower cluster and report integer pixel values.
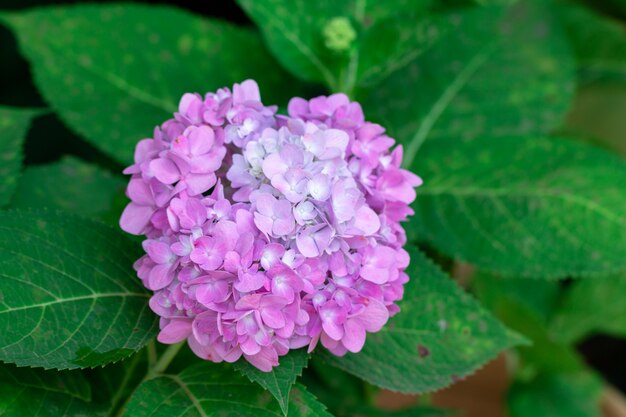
(267, 233)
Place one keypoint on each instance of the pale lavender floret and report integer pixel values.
(267, 233)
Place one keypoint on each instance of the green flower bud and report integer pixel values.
(339, 34)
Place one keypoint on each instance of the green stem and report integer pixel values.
(155, 368)
(152, 353)
(164, 361)
(118, 400)
(370, 393)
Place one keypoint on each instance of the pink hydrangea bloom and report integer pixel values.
(267, 233)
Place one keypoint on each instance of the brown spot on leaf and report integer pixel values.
(423, 351)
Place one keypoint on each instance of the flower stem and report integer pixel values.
(155, 367)
(152, 353)
(164, 361)
(118, 401)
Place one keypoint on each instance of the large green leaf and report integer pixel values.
(590, 306)
(598, 41)
(440, 335)
(70, 185)
(556, 395)
(114, 383)
(115, 80)
(538, 207)
(280, 380)
(69, 295)
(489, 77)
(338, 390)
(526, 306)
(215, 390)
(39, 393)
(538, 296)
(600, 46)
(344, 43)
(345, 395)
(14, 124)
(71, 383)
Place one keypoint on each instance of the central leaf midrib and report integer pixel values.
(184, 386)
(428, 122)
(74, 299)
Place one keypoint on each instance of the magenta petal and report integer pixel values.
(139, 191)
(246, 91)
(274, 165)
(176, 331)
(160, 277)
(297, 107)
(283, 227)
(265, 360)
(367, 220)
(264, 223)
(201, 140)
(271, 255)
(135, 218)
(332, 329)
(200, 183)
(306, 245)
(265, 204)
(273, 317)
(328, 342)
(216, 291)
(165, 170)
(375, 275)
(250, 346)
(250, 282)
(374, 316)
(354, 337)
(319, 187)
(202, 351)
(159, 252)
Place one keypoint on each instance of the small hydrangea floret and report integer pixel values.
(266, 233)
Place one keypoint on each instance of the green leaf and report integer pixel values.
(538, 296)
(600, 46)
(538, 207)
(70, 185)
(590, 306)
(346, 43)
(526, 306)
(281, 379)
(440, 335)
(207, 389)
(14, 124)
(69, 296)
(39, 393)
(113, 384)
(489, 77)
(137, 69)
(556, 395)
(72, 383)
(340, 391)
(598, 42)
